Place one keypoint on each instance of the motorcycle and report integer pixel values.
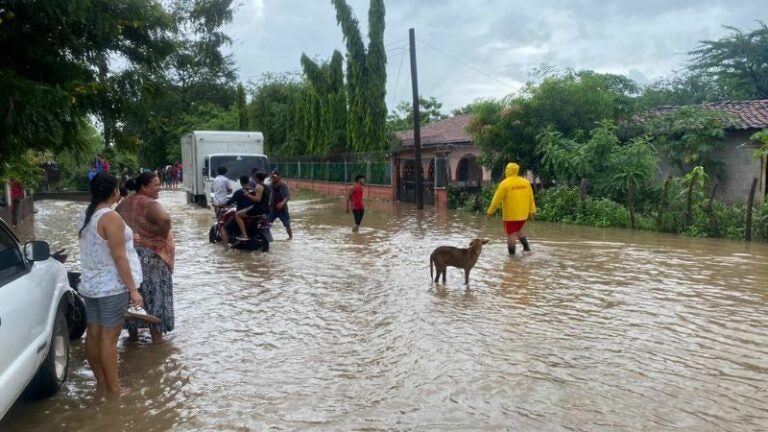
(77, 322)
(258, 229)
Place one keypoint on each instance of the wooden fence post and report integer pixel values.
(714, 229)
(750, 203)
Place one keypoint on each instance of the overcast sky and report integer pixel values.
(470, 49)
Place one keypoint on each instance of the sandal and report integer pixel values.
(138, 313)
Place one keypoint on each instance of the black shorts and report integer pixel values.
(358, 216)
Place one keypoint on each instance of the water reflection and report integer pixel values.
(597, 330)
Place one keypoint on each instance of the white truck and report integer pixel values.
(203, 152)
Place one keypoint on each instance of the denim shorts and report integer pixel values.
(107, 311)
(283, 216)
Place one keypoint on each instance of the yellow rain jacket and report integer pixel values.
(515, 196)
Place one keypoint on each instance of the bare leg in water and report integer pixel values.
(101, 353)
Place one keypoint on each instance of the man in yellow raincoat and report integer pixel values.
(515, 196)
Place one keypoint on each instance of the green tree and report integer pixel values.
(466, 109)
(614, 169)
(737, 62)
(402, 117)
(683, 89)
(241, 107)
(53, 60)
(571, 103)
(276, 103)
(376, 88)
(558, 156)
(198, 79)
(496, 129)
(761, 138)
(366, 77)
(328, 105)
(632, 166)
(687, 137)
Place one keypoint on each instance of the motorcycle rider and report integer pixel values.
(220, 188)
(241, 201)
(260, 205)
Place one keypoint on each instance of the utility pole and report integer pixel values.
(416, 123)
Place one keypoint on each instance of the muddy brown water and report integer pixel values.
(599, 330)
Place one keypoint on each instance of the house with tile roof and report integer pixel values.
(448, 154)
(741, 167)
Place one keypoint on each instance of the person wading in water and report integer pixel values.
(515, 196)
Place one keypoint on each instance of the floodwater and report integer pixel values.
(598, 330)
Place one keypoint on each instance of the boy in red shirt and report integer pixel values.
(355, 201)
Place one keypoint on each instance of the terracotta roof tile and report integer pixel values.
(749, 114)
(448, 131)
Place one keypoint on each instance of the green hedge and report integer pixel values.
(562, 204)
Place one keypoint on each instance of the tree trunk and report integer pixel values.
(106, 103)
(630, 207)
(689, 203)
(714, 230)
(663, 205)
(750, 203)
(583, 187)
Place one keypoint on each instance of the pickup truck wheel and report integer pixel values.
(53, 371)
(78, 321)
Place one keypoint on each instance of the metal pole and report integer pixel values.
(416, 123)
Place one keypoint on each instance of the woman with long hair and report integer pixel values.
(151, 226)
(110, 276)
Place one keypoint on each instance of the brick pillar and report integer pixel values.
(441, 198)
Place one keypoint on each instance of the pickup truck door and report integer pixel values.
(24, 308)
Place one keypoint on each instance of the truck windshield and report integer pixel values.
(238, 165)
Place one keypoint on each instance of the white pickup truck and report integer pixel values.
(37, 309)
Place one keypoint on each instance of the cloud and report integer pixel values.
(478, 49)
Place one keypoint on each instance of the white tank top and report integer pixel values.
(99, 276)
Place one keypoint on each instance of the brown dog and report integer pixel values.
(444, 256)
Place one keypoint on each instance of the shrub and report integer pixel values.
(762, 221)
(558, 204)
(604, 213)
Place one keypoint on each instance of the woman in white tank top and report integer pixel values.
(111, 274)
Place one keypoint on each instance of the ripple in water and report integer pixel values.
(598, 330)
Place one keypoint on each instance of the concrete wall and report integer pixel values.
(341, 189)
(371, 191)
(64, 196)
(25, 211)
(741, 168)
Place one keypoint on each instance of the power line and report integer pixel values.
(462, 62)
(397, 81)
(397, 48)
(397, 42)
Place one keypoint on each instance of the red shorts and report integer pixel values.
(511, 227)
